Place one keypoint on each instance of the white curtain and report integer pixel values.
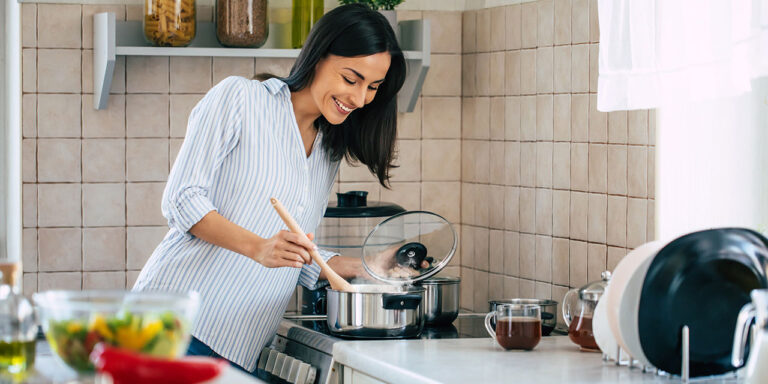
(661, 52)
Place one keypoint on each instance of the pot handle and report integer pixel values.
(400, 301)
(746, 315)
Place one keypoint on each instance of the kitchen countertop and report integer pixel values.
(554, 360)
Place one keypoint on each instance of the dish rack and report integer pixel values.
(685, 374)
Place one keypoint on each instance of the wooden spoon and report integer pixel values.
(337, 282)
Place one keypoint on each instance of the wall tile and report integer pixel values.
(444, 32)
(103, 160)
(578, 263)
(544, 211)
(482, 205)
(651, 221)
(651, 172)
(468, 112)
(443, 67)
(528, 162)
(594, 29)
(481, 291)
(593, 67)
(441, 160)
(542, 290)
(59, 249)
(617, 169)
(108, 122)
(562, 118)
(58, 70)
(637, 222)
(512, 75)
(511, 208)
(496, 251)
(527, 256)
(482, 162)
(546, 22)
(598, 168)
(498, 29)
(29, 205)
(59, 26)
(562, 22)
(596, 220)
(544, 70)
(141, 242)
(497, 73)
(482, 246)
(143, 204)
(526, 288)
(442, 198)
(467, 246)
(147, 115)
(59, 280)
(441, 117)
(511, 253)
(28, 25)
(59, 205)
(527, 210)
(528, 25)
(528, 72)
(560, 261)
(497, 118)
(483, 74)
(579, 118)
(405, 194)
(561, 213)
(637, 169)
(58, 115)
(598, 122)
(638, 127)
(146, 159)
(562, 69)
(497, 157)
(356, 172)
(409, 123)
(617, 127)
(579, 213)
(544, 258)
(561, 166)
(118, 74)
(175, 147)
(469, 74)
(513, 27)
(104, 249)
(617, 221)
(277, 67)
(614, 257)
(58, 160)
(88, 12)
(512, 118)
(580, 166)
(580, 21)
(29, 115)
(483, 30)
(29, 70)
(495, 286)
(596, 261)
(181, 106)
(28, 160)
(104, 280)
(146, 74)
(467, 288)
(528, 118)
(134, 12)
(190, 74)
(224, 67)
(580, 67)
(544, 164)
(29, 249)
(103, 205)
(468, 31)
(544, 118)
(29, 284)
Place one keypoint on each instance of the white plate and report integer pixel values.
(621, 307)
(601, 329)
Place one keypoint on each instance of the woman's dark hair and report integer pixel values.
(368, 134)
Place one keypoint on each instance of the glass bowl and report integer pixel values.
(154, 323)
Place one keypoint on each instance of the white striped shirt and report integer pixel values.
(242, 147)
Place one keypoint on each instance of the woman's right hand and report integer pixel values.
(284, 249)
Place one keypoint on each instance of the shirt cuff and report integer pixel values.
(189, 209)
(310, 273)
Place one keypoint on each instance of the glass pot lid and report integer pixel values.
(409, 247)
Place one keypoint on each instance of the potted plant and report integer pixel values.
(385, 7)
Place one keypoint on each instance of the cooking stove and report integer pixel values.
(302, 350)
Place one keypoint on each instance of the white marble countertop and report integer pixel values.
(554, 360)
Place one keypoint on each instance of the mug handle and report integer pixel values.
(743, 321)
(488, 327)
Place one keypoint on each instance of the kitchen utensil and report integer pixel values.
(701, 280)
(578, 312)
(376, 311)
(757, 363)
(154, 323)
(623, 298)
(441, 300)
(337, 282)
(518, 326)
(548, 311)
(602, 331)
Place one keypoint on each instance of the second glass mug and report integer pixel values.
(518, 326)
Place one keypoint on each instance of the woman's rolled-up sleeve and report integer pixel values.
(213, 132)
(310, 272)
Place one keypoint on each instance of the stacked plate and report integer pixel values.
(700, 280)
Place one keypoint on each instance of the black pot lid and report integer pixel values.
(409, 247)
(354, 204)
(700, 280)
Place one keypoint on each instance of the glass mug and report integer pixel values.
(518, 326)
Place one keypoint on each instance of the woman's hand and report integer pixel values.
(284, 249)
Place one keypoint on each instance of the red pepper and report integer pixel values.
(128, 367)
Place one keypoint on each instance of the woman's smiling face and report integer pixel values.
(343, 84)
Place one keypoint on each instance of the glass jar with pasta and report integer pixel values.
(169, 23)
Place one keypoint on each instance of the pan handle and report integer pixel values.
(400, 301)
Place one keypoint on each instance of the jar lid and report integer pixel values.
(594, 290)
(409, 247)
(355, 204)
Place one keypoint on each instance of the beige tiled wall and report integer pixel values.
(553, 192)
(93, 179)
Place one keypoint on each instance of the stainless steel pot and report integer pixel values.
(441, 300)
(548, 311)
(376, 311)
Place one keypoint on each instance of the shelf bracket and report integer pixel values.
(415, 36)
(103, 57)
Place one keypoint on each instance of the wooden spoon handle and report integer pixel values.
(337, 282)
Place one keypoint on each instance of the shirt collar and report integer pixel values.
(274, 85)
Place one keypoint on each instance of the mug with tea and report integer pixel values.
(518, 326)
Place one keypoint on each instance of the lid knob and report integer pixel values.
(352, 199)
(411, 255)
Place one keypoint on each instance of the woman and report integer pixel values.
(248, 141)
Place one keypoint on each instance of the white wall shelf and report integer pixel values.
(125, 38)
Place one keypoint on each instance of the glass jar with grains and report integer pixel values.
(241, 23)
(169, 23)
